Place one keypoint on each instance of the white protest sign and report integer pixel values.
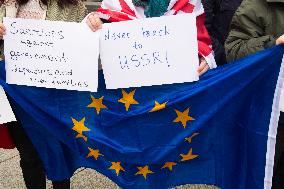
(51, 54)
(6, 113)
(151, 51)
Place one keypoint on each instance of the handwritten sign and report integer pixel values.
(152, 51)
(6, 113)
(51, 54)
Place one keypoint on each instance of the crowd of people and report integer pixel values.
(229, 30)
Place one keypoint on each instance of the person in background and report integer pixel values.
(218, 17)
(121, 10)
(60, 10)
(257, 25)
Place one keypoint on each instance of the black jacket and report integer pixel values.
(219, 14)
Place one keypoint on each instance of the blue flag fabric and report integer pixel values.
(214, 131)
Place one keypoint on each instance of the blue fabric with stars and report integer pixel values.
(224, 144)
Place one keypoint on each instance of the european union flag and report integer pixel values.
(219, 130)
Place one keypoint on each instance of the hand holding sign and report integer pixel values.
(152, 51)
(94, 22)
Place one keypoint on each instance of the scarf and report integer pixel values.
(153, 8)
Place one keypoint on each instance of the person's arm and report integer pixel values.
(204, 42)
(247, 33)
(205, 51)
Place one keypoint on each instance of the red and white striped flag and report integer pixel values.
(122, 10)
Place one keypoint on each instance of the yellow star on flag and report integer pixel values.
(144, 171)
(128, 99)
(158, 106)
(189, 139)
(94, 153)
(79, 126)
(183, 117)
(97, 103)
(169, 165)
(117, 167)
(188, 156)
(82, 136)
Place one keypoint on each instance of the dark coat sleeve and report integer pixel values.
(247, 33)
(210, 8)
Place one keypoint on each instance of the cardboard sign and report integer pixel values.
(151, 51)
(51, 54)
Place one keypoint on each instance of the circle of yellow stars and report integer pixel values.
(128, 99)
